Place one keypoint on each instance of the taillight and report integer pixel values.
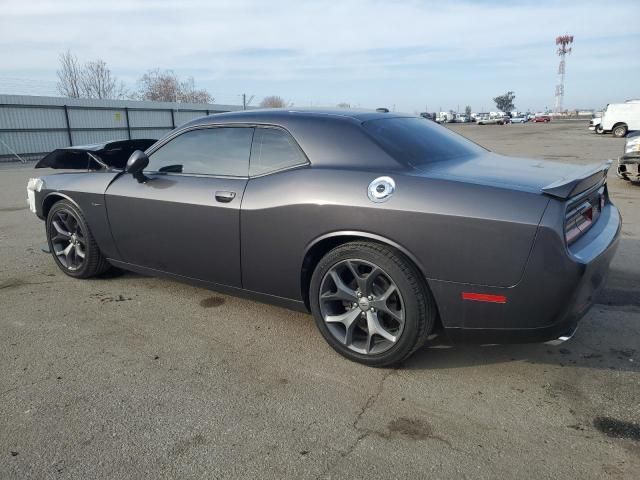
(581, 217)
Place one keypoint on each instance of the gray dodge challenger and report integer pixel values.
(388, 228)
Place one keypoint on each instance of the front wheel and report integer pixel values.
(599, 129)
(371, 304)
(71, 243)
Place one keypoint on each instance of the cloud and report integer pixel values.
(321, 44)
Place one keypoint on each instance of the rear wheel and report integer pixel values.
(371, 304)
(619, 131)
(71, 244)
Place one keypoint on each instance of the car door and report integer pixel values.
(185, 219)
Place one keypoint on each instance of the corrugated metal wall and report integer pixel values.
(33, 126)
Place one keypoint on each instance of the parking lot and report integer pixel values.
(135, 377)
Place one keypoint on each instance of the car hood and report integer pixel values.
(113, 154)
(530, 175)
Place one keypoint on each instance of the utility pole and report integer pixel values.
(245, 102)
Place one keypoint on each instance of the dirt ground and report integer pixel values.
(136, 377)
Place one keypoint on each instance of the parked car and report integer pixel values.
(461, 118)
(490, 120)
(620, 118)
(629, 162)
(385, 227)
(595, 125)
(444, 117)
(519, 119)
(542, 119)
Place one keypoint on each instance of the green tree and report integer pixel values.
(467, 110)
(504, 103)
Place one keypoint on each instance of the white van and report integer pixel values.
(620, 118)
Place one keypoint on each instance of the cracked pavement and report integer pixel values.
(136, 377)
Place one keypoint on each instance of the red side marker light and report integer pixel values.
(483, 297)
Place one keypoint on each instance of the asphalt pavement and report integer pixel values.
(134, 377)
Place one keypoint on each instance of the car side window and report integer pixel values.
(220, 151)
(274, 149)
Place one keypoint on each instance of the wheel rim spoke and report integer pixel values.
(61, 231)
(356, 275)
(343, 291)
(348, 320)
(67, 239)
(369, 279)
(375, 328)
(380, 304)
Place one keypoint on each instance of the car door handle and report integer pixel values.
(225, 197)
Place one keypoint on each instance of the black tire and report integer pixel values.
(599, 129)
(619, 131)
(419, 307)
(93, 263)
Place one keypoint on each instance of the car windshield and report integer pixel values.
(417, 142)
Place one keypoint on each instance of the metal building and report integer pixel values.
(32, 126)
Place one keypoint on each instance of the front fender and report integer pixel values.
(86, 191)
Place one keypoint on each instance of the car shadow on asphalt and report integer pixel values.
(589, 348)
(617, 350)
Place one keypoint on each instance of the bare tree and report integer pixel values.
(93, 80)
(97, 81)
(273, 101)
(165, 86)
(69, 76)
(190, 94)
(344, 105)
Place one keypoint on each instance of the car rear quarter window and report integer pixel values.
(417, 141)
(222, 151)
(274, 149)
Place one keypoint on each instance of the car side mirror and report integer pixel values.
(137, 162)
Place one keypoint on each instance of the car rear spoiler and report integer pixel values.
(94, 157)
(567, 188)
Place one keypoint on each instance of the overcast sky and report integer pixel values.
(369, 53)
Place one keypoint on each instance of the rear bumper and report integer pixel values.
(557, 289)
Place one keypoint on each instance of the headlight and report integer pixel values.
(35, 184)
(633, 145)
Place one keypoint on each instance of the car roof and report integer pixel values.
(329, 137)
(287, 116)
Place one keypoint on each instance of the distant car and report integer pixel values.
(519, 119)
(461, 119)
(595, 125)
(505, 119)
(542, 119)
(384, 226)
(490, 121)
